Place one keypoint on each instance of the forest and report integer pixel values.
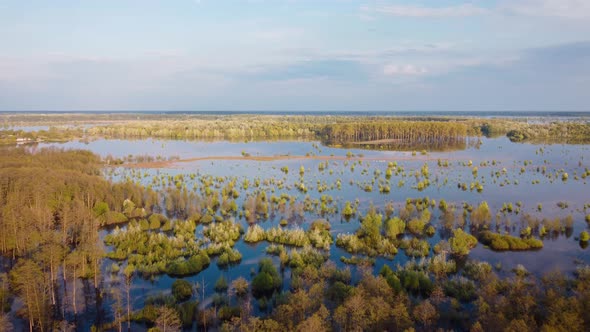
(331, 130)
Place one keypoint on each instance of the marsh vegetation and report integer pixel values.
(371, 240)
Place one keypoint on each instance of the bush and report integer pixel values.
(416, 282)
(392, 279)
(156, 220)
(254, 234)
(226, 313)
(461, 288)
(207, 219)
(182, 290)
(394, 227)
(113, 218)
(267, 280)
(319, 234)
(584, 236)
(461, 243)
(500, 242)
(416, 248)
(221, 284)
(186, 267)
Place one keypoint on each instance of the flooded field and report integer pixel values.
(212, 211)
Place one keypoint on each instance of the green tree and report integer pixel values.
(461, 243)
(371, 228)
(182, 290)
(267, 280)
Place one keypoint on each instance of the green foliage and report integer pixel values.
(502, 242)
(417, 225)
(348, 210)
(182, 290)
(187, 267)
(416, 282)
(338, 292)
(319, 234)
(371, 228)
(254, 234)
(157, 220)
(100, 209)
(461, 243)
(226, 232)
(267, 280)
(516, 136)
(394, 227)
(391, 278)
(462, 289)
(221, 284)
(416, 247)
(355, 260)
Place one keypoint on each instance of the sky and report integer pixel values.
(295, 55)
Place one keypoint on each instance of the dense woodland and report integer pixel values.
(332, 130)
(54, 203)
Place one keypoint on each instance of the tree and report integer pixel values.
(239, 287)
(221, 284)
(168, 320)
(117, 307)
(267, 280)
(481, 215)
(462, 242)
(401, 317)
(30, 283)
(425, 313)
(371, 228)
(182, 290)
(394, 227)
(128, 275)
(5, 324)
(318, 322)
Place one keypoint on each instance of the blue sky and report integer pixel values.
(294, 55)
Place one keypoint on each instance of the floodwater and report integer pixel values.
(501, 171)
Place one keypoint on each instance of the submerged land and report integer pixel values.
(294, 222)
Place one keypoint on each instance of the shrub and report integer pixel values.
(113, 218)
(502, 242)
(221, 284)
(461, 243)
(584, 236)
(394, 227)
(182, 290)
(461, 288)
(186, 267)
(207, 219)
(267, 280)
(254, 234)
(156, 220)
(319, 234)
(416, 248)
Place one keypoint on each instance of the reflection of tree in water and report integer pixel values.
(428, 145)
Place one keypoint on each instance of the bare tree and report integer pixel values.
(168, 320)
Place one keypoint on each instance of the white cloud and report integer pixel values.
(397, 70)
(418, 11)
(569, 9)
